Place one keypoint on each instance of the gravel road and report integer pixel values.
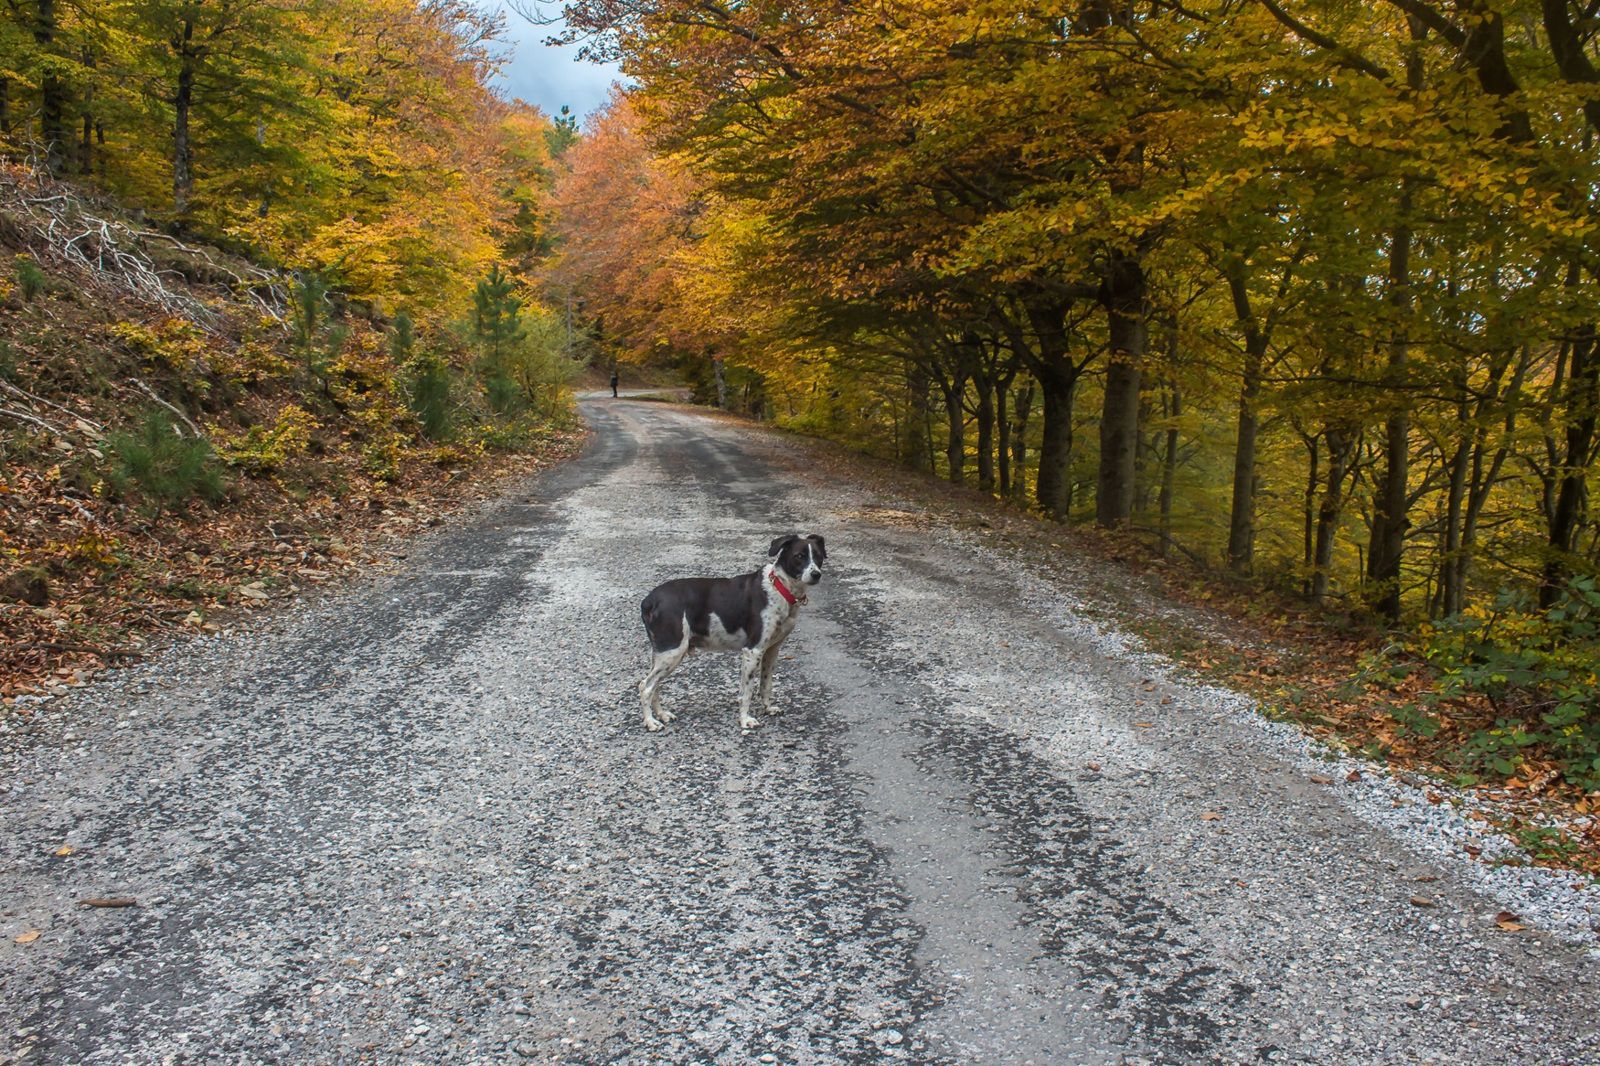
(419, 821)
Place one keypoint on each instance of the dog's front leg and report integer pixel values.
(769, 659)
(749, 679)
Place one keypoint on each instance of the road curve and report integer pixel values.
(419, 821)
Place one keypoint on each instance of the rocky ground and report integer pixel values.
(420, 821)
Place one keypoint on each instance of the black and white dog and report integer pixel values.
(751, 614)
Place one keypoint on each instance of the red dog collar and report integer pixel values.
(782, 589)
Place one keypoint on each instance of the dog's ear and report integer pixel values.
(782, 542)
(822, 547)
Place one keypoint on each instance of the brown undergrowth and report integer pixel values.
(118, 584)
(306, 457)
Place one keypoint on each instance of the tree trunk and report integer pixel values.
(52, 94)
(1451, 587)
(182, 103)
(984, 383)
(1390, 521)
(1058, 381)
(1124, 301)
(722, 382)
(1002, 433)
(5, 107)
(1058, 385)
(1002, 427)
(917, 418)
(1339, 445)
(1582, 402)
(1169, 472)
(1023, 406)
(1308, 510)
(955, 447)
(86, 140)
(1485, 474)
(1242, 514)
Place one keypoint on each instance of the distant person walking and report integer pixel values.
(613, 384)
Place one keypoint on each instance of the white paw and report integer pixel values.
(748, 723)
(665, 716)
(770, 709)
(652, 725)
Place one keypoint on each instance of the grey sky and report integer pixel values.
(547, 75)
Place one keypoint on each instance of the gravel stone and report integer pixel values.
(419, 820)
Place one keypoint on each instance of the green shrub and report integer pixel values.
(496, 330)
(429, 394)
(163, 467)
(1539, 671)
(539, 365)
(30, 279)
(427, 380)
(505, 398)
(312, 333)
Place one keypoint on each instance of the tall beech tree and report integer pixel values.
(1302, 287)
(363, 140)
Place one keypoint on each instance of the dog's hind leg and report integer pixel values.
(669, 643)
(769, 659)
(749, 682)
(662, 663)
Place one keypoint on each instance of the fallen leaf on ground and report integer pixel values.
(1511, 923)
(29, 937)
(1353, 775)
(1319, 779)
(1144, 725)
(1211, 816)
(1094, 766)
(1421, 901)
(112, 901)
(63, 851)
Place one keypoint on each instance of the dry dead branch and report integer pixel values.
(109, 252)
(194, 430)
(85, 425)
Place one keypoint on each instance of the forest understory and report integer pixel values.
(182, 449)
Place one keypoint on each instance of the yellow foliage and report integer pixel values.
(262, 449)
(174, 343)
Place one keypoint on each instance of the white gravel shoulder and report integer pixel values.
(1562, 903)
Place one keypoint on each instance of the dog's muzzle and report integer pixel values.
(812, 576)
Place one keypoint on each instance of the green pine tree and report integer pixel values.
(496, 329)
